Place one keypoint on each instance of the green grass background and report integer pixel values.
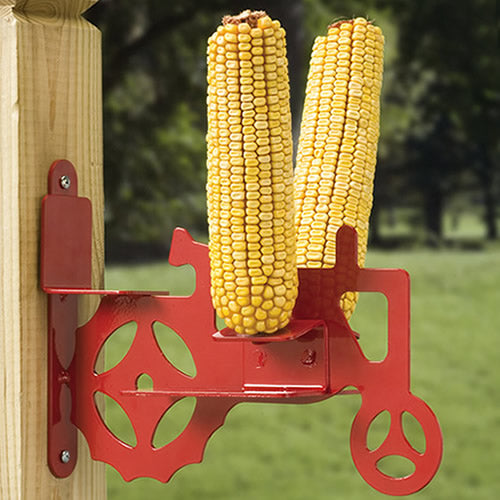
(298, 452)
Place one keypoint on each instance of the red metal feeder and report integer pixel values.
(315, 357)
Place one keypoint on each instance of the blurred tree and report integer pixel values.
(448, 67)
(154, 85)
(440, 109)
(440, 103)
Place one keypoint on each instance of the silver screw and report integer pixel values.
(65, 456)
(65, 182)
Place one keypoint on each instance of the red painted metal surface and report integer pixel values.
(384, 385)
(66, 257)
(315, 357)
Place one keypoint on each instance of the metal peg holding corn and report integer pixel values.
(338, 143)
(250, 175)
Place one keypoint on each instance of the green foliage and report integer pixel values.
(302, 452)
(154, 118)
(439, 121)
(448, 66)
(154, 86)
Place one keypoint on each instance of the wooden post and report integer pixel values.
(50, 108)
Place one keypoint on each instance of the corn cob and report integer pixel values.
(338, 143)
(250, 175)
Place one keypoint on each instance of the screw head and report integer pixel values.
(65, 182)
(65, 456)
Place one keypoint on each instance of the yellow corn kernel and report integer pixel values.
(249, 181)
(343, 87)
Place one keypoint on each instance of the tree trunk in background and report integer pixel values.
(374, 237)
(433, 214)
(490, 216)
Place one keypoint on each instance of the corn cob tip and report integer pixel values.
(250, 17)
(357, 20)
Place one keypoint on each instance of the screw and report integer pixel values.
(65, 182)
(65, 456)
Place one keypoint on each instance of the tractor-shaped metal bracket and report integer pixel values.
(315, 357)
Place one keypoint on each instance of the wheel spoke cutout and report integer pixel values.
(413, 432)
(115, 418)
(396, 466)
(174, 421)
(378, 430)
(116, 347)
(174, 349)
